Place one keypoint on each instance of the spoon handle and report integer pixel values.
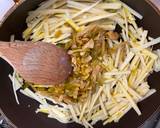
(13, 44)
(13, 52)
(9, 47)
(5, 48)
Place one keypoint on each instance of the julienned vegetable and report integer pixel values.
(110, 69)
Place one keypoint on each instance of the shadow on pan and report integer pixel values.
(24, 116)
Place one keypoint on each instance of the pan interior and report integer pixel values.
(24, 116)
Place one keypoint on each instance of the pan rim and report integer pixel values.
(9, 12)
(7, 119)
(12, 9)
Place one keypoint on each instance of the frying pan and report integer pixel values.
(24, 116)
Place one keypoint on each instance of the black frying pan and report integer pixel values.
(23, 116)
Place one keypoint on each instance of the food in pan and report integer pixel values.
(111, 58)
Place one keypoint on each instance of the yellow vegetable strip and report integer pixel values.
(46, 29)
(142, 60)
(126, 23)
(81, 6)
(117, 57)
(117, 108)
(124, 111)
(151, 92)
(53, 11)
(83, 110)
(87, 124)
(64, 36)
(127, 60)
(116, 73)
(144, 73)
(95, 98)
(151, 43)
(130, 99)
(134, 93)
(86, 9)
(102, 106)
(43, 110)
(72, 23)
(109, 81)
(124, 81)
(95, 18)
(61, 22)
(149, 53)
(75, 107)
(132, 11)
(73, 113)
(114, 5)
(144, 36)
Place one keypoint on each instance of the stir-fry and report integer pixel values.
(111, 58)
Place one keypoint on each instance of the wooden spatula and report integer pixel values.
(39, 63)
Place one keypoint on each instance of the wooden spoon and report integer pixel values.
(38, 63)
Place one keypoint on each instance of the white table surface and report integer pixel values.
(5, 5)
